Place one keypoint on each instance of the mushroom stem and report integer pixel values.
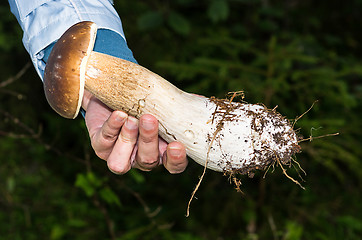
(126, 86)
(229, 136)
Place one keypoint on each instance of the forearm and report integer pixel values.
(44, 21)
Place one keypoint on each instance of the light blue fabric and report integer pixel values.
(44, 21)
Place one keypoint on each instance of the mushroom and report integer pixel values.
(221, 134)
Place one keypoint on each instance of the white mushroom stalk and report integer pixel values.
(232, 136)
(226, 136)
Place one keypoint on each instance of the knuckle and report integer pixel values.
(129, 138)
(178, 167)
(100, 148)
(118, 168)
(101, 155)
(109, 136)
(149, 139)
(176, 164)
(148, 161)
(176, 171)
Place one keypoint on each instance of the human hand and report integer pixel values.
(125, 142)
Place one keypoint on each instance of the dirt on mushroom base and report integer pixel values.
(278, 140)
(281, 148)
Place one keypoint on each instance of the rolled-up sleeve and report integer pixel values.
(44, 21)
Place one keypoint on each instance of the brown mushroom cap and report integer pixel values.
(64, 74)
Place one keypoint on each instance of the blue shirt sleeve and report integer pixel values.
(44, 21)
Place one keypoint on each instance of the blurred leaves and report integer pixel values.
(10, 37)
(218, 10)
(89, 183)
(294, 231)
(178, 23)
(150, 20)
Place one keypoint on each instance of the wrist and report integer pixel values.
(86, 99)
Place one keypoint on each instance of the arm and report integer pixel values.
(121, 140)
(44, 21)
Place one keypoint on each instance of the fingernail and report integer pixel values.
(121, 116)
(131, 123)
(174, 151)
(147, 125)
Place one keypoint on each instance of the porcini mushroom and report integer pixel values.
(224, 135)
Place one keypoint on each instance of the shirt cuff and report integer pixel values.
(44, 21)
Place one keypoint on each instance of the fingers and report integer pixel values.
(138, 145)
(148, 155)
(105, 136)
(125, 142)
(148, 149)
(119, 160)
(174, 159)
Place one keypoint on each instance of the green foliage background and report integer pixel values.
(281, 53)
